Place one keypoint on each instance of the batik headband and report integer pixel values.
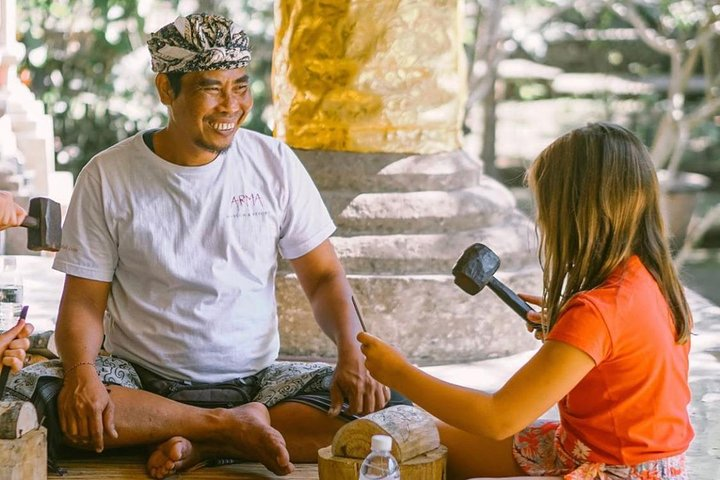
(199, 42)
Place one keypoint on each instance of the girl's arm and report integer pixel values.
(546, 378)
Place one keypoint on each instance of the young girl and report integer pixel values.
(616, 330)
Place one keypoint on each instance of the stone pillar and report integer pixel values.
(27, 153)
(371, 97)
(12, 160)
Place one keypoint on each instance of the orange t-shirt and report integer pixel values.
(632, 406)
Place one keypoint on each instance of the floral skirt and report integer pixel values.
(538, 451)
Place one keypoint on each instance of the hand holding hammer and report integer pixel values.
(43, 221)
(11, 214)
(476, 268)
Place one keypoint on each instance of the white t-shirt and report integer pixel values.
(192, 252)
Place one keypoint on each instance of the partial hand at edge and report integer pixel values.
(14, 344)
(11, 214)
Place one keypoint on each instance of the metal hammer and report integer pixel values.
(43, 224)
(476, 268)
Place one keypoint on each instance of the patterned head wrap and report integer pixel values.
(199, 42)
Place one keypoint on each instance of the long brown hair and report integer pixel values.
(597, 200)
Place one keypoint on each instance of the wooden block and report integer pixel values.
(413, 432)
(426, 466)
(16, 419)
(24, 458)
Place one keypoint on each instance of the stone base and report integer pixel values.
(426, 316)
(403, 221)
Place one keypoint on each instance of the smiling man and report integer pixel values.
(170, 251)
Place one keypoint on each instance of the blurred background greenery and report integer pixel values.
(87, 61)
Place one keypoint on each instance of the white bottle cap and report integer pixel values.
(381, 443)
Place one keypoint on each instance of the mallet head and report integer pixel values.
(44, 225)
(475, 268)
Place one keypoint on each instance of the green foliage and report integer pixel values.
(676, 19)
(72, 47)
(88, 62)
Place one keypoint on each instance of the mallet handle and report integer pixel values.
(510, 298)
(30, 222)
(3, 379)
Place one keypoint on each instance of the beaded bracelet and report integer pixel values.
(68, 370)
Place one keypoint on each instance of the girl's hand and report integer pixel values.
(534, 318)
(385, 363)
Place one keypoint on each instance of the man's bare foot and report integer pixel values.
(244, 433)
(174, 455)
(249, 435)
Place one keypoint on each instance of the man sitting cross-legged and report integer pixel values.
(170, 250)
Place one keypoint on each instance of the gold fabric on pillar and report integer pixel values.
(369, 75)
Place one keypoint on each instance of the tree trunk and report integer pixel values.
(664, 141)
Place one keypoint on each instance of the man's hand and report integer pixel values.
(353, 382)
(85, 408)
(385, 363)
(11, 214)
(14, 344)
(323, 280)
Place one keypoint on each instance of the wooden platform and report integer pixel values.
(131, 466)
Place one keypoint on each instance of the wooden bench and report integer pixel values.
(130, 465)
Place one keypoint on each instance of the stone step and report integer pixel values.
(403, 254)
(385, 172)
(488, 203)
(403, 221)
(427, 317)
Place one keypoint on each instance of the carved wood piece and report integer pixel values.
(413, 432)
(17, 419)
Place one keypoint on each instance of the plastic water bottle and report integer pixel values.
(380, 464)
(11, 292)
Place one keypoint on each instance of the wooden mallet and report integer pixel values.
(44, 225)
(476, 268)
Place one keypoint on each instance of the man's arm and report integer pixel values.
(84, 405)
(323, 280)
